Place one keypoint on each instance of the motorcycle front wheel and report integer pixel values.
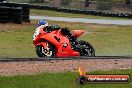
(87, 49)
(43, 52)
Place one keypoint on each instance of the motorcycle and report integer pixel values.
(52, 43)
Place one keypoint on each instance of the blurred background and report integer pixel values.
(120, 6)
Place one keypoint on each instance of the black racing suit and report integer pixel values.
(72, 39)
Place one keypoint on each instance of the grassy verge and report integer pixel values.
(61, 14)
(58, 80)
(16, 40)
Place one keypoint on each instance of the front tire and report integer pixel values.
(42, 52)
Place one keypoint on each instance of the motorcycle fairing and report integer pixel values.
(62, 49)
(78, 33)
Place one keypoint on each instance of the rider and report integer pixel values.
(41, 24)
(64, 31)
(44, 24)
(72, 39)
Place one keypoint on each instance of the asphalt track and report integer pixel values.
(59, 59)
(84, 20)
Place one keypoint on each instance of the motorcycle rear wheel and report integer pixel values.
(87, 49)
(42, 52)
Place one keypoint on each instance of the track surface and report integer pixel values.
(70, 58)
(84, 20)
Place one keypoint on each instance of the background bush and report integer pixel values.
(104, 5)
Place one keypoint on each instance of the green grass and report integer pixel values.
(16, 40)
(16, 44)
(113, 40)
(61, 14)
(58, 80)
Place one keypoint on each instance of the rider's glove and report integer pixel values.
(65, 31)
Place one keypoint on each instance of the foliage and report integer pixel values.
(104, 5)
(62, 14)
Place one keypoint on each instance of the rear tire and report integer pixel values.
(41, 52)
(87, 50)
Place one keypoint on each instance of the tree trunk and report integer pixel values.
(127, 1)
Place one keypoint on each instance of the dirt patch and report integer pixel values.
(35, 67)
(7, 27)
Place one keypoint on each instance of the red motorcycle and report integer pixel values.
(53, 43)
